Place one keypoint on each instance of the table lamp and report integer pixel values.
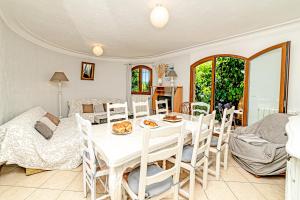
(172, 74)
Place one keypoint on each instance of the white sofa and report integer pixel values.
(75, 106)
(23, 145)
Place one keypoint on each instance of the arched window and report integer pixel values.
(141, 80)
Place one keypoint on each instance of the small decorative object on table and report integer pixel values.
(122, 128)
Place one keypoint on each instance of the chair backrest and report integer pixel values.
(185, 108)
(203, 136)
(162, 109)
(152, 155)
(117, 116)
(88, 153)
(200, 108)
(140, 109)
(226, 125)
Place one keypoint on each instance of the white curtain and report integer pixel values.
(128, 87)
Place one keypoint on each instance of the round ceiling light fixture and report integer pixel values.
(159, 16)
(97, 50)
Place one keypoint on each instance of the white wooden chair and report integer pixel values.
(93, 168)
(165, 109)
(196, 155)
(200, 108)
(140, 109)
(163, 182)
(119, 116)
(219, 142)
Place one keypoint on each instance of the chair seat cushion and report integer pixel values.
(151, 190)
(187, 154)
(214, 141)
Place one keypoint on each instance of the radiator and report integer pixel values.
(141, 98)
(263, 112)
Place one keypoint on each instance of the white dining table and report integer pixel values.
(122, 151)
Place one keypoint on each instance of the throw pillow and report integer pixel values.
(48, 123)
(98, 108)
(53, 118)
(43, 129)
(87, 108)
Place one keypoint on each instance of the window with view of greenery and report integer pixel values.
(141, 80)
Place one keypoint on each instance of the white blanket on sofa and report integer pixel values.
(24, 146)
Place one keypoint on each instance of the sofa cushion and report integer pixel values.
(43, 129)
(52, 118)
(87, 108)
(98, 108)
(48, 123)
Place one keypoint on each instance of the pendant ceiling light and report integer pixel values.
(159, 16)
(97, 50)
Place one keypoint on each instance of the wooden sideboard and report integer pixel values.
(172, 93)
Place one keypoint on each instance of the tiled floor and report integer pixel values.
(235, 184)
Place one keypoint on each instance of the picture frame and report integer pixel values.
(170, 67)
(87, 71)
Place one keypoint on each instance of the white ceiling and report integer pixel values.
(123, 26)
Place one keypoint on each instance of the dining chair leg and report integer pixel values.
(218, 164)
(124, 195)
(84, 182)
(205, 173)
(164, 164)
(192, 184)
(93, 189)
(226, 157)
(176, 192)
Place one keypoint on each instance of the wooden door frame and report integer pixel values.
(284, 77)
(201, 61)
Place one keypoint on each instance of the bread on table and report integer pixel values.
(122, 127)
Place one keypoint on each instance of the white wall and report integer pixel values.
(244, 46)
(26, 69)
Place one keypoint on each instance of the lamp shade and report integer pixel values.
(59, 76)
(172, 73)
(159, 16)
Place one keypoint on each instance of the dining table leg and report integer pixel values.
(115, 183)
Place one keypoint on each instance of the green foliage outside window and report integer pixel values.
(203, 82)
(229, 81)
(135, 80)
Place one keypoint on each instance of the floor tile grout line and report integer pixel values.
(231, 190)
(19, 187)
(259, 191)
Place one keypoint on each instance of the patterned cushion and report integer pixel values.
(151, 190)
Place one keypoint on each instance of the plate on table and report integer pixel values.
(172, 118)
(149, 123)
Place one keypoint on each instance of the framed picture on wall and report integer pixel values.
(87, 71)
